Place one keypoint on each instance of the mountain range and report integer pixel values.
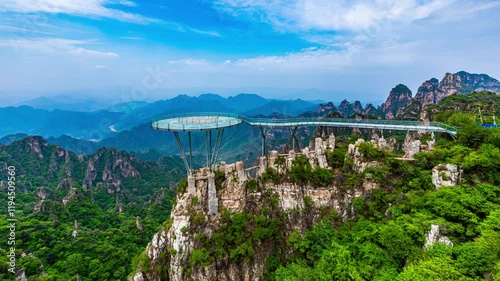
(127, 125)
(401, 104)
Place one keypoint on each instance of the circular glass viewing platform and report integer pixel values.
(195, 122)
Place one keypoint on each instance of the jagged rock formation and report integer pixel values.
(117, 166)
(138, 223)
(433, 91)
(400, 104)
(297, 205)
(325, 109)
(371, 110)
(345, 108)
(57, 169)
(446, 175)
(434, 236)
(49, 180)
(413, 144)
(398, 99)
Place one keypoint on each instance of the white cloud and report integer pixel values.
(330, 15)
(99, 66)
(87, 8)
(55, 45)
(85, 52)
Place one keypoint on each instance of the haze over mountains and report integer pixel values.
(77, 125)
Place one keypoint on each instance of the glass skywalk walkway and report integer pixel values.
(212, 121)
(200, 121)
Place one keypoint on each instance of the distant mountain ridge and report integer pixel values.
(128, 126)
(98, 125)
(402, 105)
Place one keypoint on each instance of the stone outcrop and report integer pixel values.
(434, 236)
(64, 184)
(42, 193)
(446, 175)
(359, 163)
(138, 223)
(73, 195)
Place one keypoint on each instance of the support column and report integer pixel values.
(218, 142)
(183, 154)
(263, 133)
(190, 153)
(293, 133)
(213, 201)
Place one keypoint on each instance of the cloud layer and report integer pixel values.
(355, 48)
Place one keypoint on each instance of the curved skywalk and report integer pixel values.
(199, 121)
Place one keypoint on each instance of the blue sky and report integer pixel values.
(313, 49)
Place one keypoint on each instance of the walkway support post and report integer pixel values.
(263, 132)
(293, 133)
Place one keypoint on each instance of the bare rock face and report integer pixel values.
(411, 146)
(446, 175)
(398, 99)
(465, 83)
(345, 108)
(21, 275)
(117, 166)
(360, 163)
(64, 184)
(35, 145)
(73, 195)
(434, 236)
(429, 93)
(357, 107)
(324, 109)
(371, 110)
(433, 91)
(138, 223)
(42, 193)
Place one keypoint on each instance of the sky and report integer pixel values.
(130, 50)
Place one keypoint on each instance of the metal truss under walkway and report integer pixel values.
(212, 121)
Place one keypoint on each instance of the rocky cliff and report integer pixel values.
(398, 99)
(44, 167)
(400, 104)
(252, 217)
(433, 91)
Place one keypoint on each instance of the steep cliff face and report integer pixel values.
(433, 91)
(86, 220)
(345, 108)
(44, 167)
(371, 110)
(253, 217)
(398, 99)
(109, 167)
(400, 103)
(464, 83)
(430, 92)
(325, 109)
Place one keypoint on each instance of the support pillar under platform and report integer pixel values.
(213, 201)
